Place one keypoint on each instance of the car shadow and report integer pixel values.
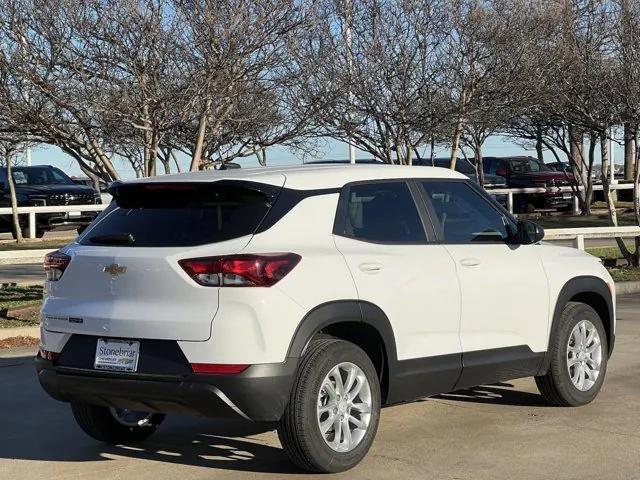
(36, 427)
(496, 394)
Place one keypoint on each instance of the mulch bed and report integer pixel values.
(23, 313)
(20, 341)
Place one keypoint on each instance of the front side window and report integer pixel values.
(381, 212)
(464, 215)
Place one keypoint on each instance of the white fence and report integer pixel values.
(510, 192)
(33, 211)
(578, 235)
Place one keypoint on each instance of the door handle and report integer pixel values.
(370, 267)
(470, 262)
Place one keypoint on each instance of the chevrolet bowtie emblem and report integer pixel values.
(114, 269)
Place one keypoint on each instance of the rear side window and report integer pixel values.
(380, 212)
(181, 214)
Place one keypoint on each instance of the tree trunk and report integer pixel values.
(94, 178)
(261, 153)
(196, 159)
(14, 201)
(153, 153)
(611, 208)
(576, 151)
(455, 143)
(175, 160)
(578, 166)
(432, 152)
(588, 194)
(636, 195)
(478, 141)
(103, 162)
(539, 151)
(629, 157)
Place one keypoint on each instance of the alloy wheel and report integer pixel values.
(344, 407)
(584, 355)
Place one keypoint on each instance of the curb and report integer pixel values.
(625, 288)
(19, 331)
(19, 257)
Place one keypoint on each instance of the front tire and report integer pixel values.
(115, 426)
(579, 354)
(334, 409)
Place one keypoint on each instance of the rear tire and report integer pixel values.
(569, 351)
(105, 425)
(320, 401)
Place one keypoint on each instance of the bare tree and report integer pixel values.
(627, 90)
(9, 147)
(233, 52)
(489, 46)
(379, 87)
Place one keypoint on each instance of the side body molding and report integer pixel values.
(407, 379)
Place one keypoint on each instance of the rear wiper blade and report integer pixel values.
(114, 239)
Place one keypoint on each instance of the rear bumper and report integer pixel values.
(260, 393)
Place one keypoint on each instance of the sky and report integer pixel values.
(330, 149)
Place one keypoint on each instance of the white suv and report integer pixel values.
(312, 296)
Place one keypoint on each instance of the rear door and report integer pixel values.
(124, 279)
(386, 242)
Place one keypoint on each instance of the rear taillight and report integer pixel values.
(55, 264)
(261, 270)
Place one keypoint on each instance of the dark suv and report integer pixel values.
(44, 185)
(529, 172)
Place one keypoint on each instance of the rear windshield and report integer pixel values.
(180, 214)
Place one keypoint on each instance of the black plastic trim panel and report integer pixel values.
(576, 286)
(259, 393)
(419, 377)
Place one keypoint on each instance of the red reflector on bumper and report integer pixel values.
(218, 368)
(47, 355)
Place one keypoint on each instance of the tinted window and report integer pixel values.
(464, 215)
(382, 212)
(528, 165)
(181, 214)
(39, 176)
(491, 165)
(462, 165)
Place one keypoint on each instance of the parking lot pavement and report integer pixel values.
(501, 431)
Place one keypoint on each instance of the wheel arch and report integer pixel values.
(592, 291)
(362, 323)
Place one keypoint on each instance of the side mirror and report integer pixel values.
(529, 232)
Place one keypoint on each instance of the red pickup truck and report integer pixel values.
(529, 172)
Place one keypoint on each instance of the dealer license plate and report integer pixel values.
(117, 355)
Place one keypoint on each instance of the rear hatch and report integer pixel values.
(124, 279)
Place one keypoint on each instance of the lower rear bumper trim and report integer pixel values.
(260, 393)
